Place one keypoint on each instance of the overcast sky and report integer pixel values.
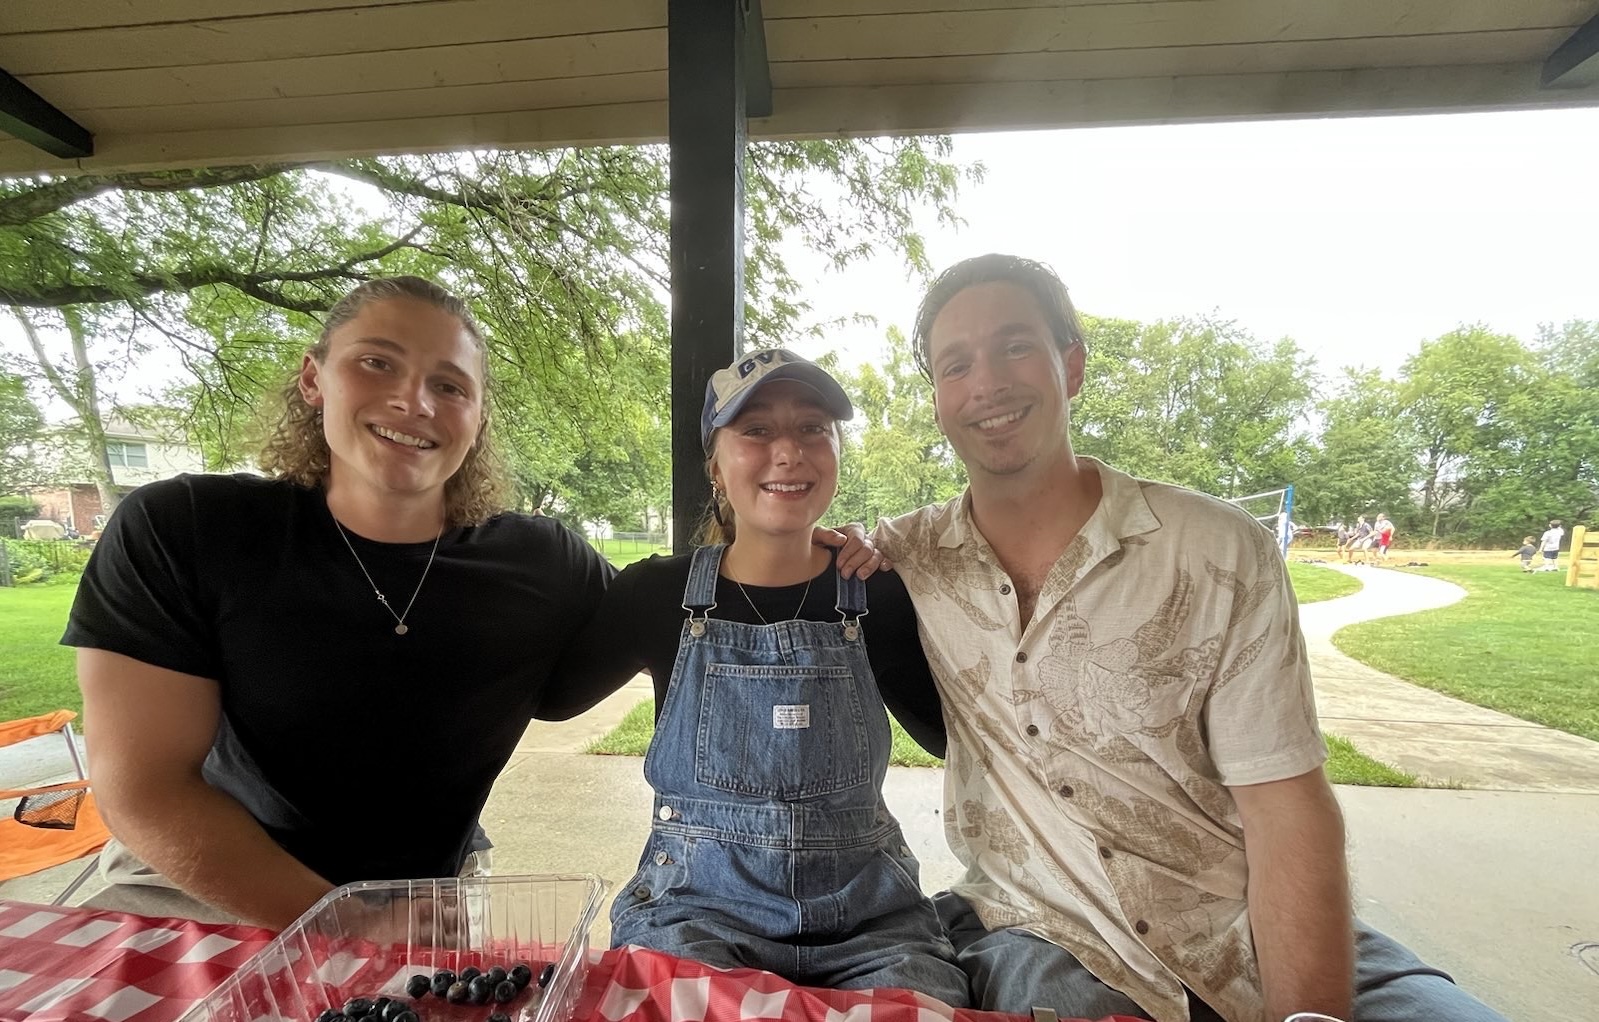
(1359, 238)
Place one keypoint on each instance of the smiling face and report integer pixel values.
(778, 460)
(1002, 385)
(400, 388)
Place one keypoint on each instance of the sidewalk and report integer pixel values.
(1428, 733)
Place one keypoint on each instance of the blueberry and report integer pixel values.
(521, 975)
(418, 986)
(442, 981)
(470, 973)
(499, 1016)
(405, 1015)
(458, 993)
(328, 1016)
(505, 992)
(480, 989)
(356, 1007)
(546, 975)
(497, 975)
(392, 1009)
(378, 1005)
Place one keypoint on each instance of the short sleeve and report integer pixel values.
(1261, 713)
(141, 595)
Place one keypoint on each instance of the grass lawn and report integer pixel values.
(1522, 644)
(1345, 764)
(36, 674)
(1314, 583)
(632, 737)
(1348, 765)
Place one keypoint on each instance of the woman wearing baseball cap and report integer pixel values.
(770, 844)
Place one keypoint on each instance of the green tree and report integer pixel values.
(21, 427)
(76, 385)
(1364, 459)
(563, 253)
(1453, 395)
(1198, 402)
(1543, 460)
(895, 459)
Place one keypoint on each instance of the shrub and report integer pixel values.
(39, 560)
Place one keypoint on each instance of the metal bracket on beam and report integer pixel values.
(25, 114)
(757, 72)
(1576, 62)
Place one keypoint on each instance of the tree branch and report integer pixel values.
(261, 286)
(27, 206)
(51, 374)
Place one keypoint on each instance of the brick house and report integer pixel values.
(138, 455)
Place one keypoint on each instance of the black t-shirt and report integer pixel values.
(640, 623)
(367, 755)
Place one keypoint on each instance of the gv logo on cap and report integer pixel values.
(749, 365)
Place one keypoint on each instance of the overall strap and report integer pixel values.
(700, 593)
(851, 602)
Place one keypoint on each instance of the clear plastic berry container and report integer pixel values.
(368, 940)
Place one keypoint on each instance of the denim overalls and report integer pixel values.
(771, 846)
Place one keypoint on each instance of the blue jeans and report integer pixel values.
(1014, 971)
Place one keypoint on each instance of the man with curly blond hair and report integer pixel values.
(306, 679)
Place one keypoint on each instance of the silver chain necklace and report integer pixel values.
(400, 627)
(757, 610)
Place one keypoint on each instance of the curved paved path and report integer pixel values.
(1428, 733)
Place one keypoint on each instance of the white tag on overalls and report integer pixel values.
(790, 718)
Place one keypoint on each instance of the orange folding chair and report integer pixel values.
(52, 823)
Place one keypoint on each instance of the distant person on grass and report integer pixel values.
(1135, 780)
(1525, 553)
(1382, 537)
(1360, 542)
(1550, 544)
(770, 844)
(1345, 534)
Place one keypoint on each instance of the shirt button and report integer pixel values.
(641, 893)
(661, 858)
(1032, 729)
(1104, 853)
(1004, 590)
(1065, 791)
(1021, 657)
(1141, 926)
(666, 812)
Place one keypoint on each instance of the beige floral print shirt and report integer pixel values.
(1090, 754)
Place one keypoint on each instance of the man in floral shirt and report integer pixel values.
(1135, 777)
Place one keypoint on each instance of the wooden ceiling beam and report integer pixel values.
(1576, 61)
(26, 115)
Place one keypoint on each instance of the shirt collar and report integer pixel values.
(1122, 512)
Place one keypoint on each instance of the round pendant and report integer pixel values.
(400, 628)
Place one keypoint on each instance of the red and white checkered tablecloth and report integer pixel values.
(636, 985)
(84, 965)
(60, 964)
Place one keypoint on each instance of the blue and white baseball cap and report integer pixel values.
(730, 389)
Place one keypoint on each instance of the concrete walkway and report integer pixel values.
(1427, 733)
